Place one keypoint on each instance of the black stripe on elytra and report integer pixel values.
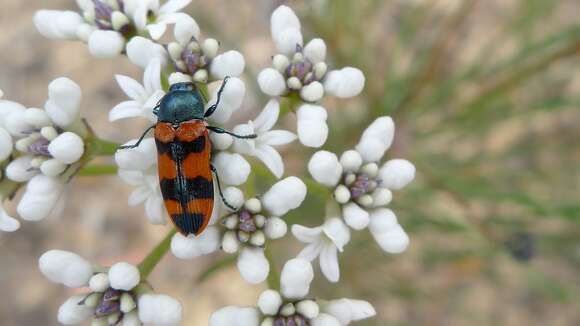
(187, 222)
(178, 150)
(197, 188)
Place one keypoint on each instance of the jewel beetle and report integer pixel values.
(184, 156)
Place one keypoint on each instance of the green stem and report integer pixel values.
(152, 259)
(100, 147)
(273, 279)
(98, 170)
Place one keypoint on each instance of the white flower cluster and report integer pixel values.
(302, 70)
(200, 60)
(37, 146)
(362, 188)
(116, 296)
(292, 306)
(138, 166)
(247, 230)
(107, 25)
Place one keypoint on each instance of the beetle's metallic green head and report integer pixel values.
(183, 102)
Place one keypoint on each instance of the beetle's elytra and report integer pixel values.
(184, 156)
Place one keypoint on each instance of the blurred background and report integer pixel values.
(485, 96)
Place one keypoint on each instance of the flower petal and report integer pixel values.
(329, 263)
(190, 247)
(6, 144)
(230, 63)
(40, 198)
(271, 82)
(295, 279)
(277, 137)
(231, 100)
(306, 234)
(337, 232)
(396, 174)
(325, 320)
(349, 310)
(73, 313)
(172, 6)
(253, 265)
(234, 316)
(185, 29)
(152, 77)
(312, 127)
(106, 44)
(123, 276)
(7, 222)
(233, 169)
(356, 217)
(66, 268)
(311, 251)
(283, 18)
(268, 117)
(67, 148)
(271, 158)
(325, 168)
(64, 98)
(126, 109)
(387, 231)
(270, 302)
(344, 83)
(159, 309)
(141, 51)
(285, 195)
(315, 50)
(376, 139)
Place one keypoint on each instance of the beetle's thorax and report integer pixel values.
(181, 105)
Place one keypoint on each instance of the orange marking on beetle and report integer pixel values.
(190, 130)
(166, 167)
(164, 132)
(197, 164)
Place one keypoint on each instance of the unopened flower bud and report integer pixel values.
(253, 205)
(210, 47)
(280, 62)
(294, 83)
(119, 20)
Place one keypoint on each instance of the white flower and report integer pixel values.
(291, 306)
(247, 230)
(199, 58)
(234, 316)
(123, 276)
(362, 188)
(138, 167)
(67, 148)
(231, 100)
(143, 97)
(349, 310)
(324, 242)
(262, 146)
(142, 51)
(56, 24)
(7, 222)
(301, 70)
(66, 268)
(63, 105)
(159, 310)
(387, 231)
(106, 44)
(116, 296)
(73, 313)
(163, 15)
(41, 198)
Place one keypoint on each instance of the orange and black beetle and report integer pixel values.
(184, 156)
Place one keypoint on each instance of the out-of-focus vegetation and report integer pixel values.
(486, 98)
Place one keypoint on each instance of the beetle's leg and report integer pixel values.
(139, 141)
(223, 131)
(212, 108)
(217, 178)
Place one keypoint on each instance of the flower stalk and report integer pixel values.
(154, 257)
